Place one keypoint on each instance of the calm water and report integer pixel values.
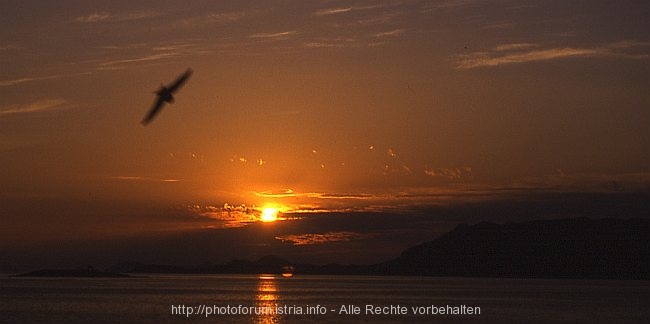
(149, 299)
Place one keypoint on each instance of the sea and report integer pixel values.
(320, 299)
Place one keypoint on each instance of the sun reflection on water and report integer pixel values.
(267, 297)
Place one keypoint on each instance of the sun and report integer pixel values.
(269, 214)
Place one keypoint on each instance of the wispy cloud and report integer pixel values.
(147, 53)
(628, 44)
(223, 17)
(146, 58)
(342, 42)
(328, 237)
(228, 216)
(233, 216)
(34, 107)
(172, 47)
(450, 4)
(10, 47)
(97, 17)
(217, 18)
(386, 18)
(285, 193)
(390, 33)
(331, 11)
(341, 10)
(345, 196)
(449, 173)
(93, 17)
(280, 35)
(584, 182)
(276, 194)
(514, 46)
(329, 44)
(483, 59)
(499, 25)
(141, 178)
(13, 82)
(516, 53)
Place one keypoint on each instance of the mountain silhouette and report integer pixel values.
(567, 248)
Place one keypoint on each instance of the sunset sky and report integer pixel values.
(350, 117)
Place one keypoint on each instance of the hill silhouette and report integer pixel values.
(567, 248)
(88, 272)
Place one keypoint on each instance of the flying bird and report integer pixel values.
(165, 95)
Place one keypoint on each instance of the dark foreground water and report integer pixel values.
(320, 299)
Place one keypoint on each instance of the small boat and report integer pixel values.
(287, 271)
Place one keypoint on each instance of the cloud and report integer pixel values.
(284, 193)
(331, 11)
(483, 59)
(450, 4)
(629, 44)
(13, 82)
(10, 47)
(514, 46)
(217, 18)
(449, 173)
(390, 33)
(341, 10)
(224, 17)
(345, 196)
(147, 58)
(147, 53)
(500, 25)
(280, 35)
(517, 53)
(173, 47)
(328, 44)
(446, 187)
(388, 18)
(140, 178)
(34, 107)
(586, 182)
(228, 216)
(96, 17)
(93, 17)
(276, 194)
(328, 237)
(234, 216)
(6, 83)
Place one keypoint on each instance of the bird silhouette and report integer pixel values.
(165, 94)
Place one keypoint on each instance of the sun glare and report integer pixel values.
(269, 214)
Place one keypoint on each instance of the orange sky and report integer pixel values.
(337, 104)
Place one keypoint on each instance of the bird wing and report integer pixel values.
(179, 82)
(154, 110)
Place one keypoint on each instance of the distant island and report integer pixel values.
(88, 272)
(577, 248)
